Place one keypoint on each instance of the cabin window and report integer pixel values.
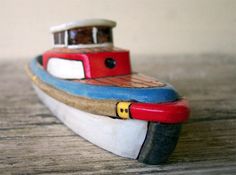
(80, 36)
(66, 69)
(59, 38)
(90, 35)
(104, 35)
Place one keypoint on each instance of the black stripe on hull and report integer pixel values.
(160, 142)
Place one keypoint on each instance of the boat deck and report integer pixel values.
(32, 141)
(134, 80)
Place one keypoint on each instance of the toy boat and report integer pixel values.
(88, 84)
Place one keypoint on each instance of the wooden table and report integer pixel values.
(32, 141)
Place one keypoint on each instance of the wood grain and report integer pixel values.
(32, 141)
(100, 107)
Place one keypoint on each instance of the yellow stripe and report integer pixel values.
(123, 110)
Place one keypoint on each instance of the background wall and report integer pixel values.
(144, 26)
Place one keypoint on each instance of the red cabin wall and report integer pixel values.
(98, 68)
(94, 63)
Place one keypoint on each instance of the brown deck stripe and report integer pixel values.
(112, 82)
(91, 81)
(137, 83)
(116, 79)
(130, 78)
(137, 79)
(131, 81)
(119, 82)
(141, 78)
(106, 82)
(122, 81)
(99, 107)
(140, 84)
(147, 77)
(126, 83)
(147, 80)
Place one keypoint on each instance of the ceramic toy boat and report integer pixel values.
(88, 84)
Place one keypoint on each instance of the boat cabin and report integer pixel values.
(84, 34)
(84, 49)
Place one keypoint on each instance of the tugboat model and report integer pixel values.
(88, 84)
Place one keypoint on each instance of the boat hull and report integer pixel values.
(121, 137)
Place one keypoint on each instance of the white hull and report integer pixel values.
(121, 137)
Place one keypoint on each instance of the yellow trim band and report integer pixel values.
(122, 109)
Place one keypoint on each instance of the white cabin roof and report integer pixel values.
(83, 23)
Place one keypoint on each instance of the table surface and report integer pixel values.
(33, 141)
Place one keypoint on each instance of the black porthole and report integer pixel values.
(110, 63)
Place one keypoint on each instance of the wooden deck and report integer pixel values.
(32, 141)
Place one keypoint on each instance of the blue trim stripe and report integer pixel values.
(147, 95)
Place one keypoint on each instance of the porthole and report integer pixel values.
(110, 63)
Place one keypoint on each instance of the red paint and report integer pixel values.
(173, 112)
(94, 63)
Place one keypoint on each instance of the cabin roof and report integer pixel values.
(83, 23)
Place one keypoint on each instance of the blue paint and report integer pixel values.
(148, 95)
